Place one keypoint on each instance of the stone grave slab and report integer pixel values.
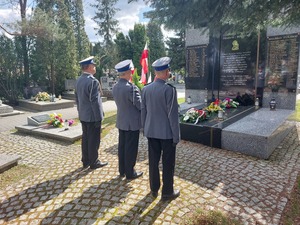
(38, 120)
(8, 161)
(46, 105)
(6, 109)
(209, 132)
(258, 133)
(69, 134)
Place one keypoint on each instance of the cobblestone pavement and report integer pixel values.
(60, 192)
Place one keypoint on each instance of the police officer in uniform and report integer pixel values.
(90, 111)
(128, 100)
(161, 126)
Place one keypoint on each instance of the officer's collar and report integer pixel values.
(160, 80)
(87, 74)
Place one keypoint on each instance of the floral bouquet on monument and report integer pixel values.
(56, 120)
(214, 107)
(194, 116)
(42, 96)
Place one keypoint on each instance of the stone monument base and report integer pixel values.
(8, 161)
(6, 109)
(254, 132)
(46, 105)
(70, 134)
(209, 132)
(259, 133)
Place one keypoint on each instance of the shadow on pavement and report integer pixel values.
(140, 213)
(38, 194)
(93, 204)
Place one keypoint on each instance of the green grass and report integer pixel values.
(15, 174)
(181, 100)
(296, 115)
(108, 123)
(292, 212)
(200, 217)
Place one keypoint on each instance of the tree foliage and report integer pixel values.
(138, 40)
(104, 18)
(124, 48)
(54, 56)
(156, 43)
(75, 9)
(244, 16)
(10, 79)
(176, 51)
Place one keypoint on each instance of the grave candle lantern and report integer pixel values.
(273, 104)
(189, 100)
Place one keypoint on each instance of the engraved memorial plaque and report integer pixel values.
(38, 120)
(238, 59)
(196, 61)
(282, 62)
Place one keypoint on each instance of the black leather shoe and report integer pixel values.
(98, 165)
(154, 194)
(172, 196)
(84, 166)
(135, 175)
(122, 175)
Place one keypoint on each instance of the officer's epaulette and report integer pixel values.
(171, 85)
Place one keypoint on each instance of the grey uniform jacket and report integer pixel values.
(88, 99)
(160, 111)
(128, 101)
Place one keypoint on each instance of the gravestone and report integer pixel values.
(70, 84)
(282, 68)
(197, 76)
(69, 92)
(38, 120)
(107, 84)
(237, 66)
(5, 108)
(234, 65)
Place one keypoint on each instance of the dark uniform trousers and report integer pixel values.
(127, 151)
(156, 148)
(90, 142)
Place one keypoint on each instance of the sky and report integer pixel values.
(128, 16)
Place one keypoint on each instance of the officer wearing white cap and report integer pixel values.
(90, 111)
(128, 101)
(161, 126)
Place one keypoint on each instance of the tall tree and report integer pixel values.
(156, 42)
(176, 51)
(104, 18)
(22, 37)
(124, 48)
(10, 84)
(75, 9)
(57, 51)
(138, 40)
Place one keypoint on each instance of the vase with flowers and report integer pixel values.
(274, 82)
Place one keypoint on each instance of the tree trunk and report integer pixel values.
(23, 4)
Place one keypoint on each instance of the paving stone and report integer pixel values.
(247, 188)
